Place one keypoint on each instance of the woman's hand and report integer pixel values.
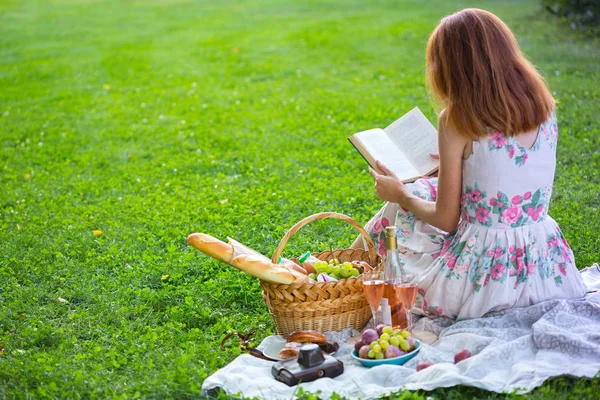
(388, 186)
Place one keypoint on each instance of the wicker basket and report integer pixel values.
(322, 306)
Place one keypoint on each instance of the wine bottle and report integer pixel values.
(393, 275)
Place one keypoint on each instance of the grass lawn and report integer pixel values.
(149, 120)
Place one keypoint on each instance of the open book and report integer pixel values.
(403, 147)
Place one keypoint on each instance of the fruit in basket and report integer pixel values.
(461, 355)
(335, 270)
(325, 278)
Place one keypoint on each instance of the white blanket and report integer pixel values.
(514, 350)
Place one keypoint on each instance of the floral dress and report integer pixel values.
(506, 252)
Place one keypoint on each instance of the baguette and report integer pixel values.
(307, 337)
(211, 246)
(291, 265)
(245, 259)
(241, 249)
(256, 265)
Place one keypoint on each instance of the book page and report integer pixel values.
(380, 147)
(414, 134)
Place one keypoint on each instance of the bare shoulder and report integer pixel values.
(448, 135)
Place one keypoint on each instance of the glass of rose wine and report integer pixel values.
(373, 286)
(407, 294)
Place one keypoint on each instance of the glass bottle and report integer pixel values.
(393, 275)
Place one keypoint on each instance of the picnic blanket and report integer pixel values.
(513, 351)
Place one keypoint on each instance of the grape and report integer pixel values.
(379, 356)
(321, 267)
(392, 352)
(369, 336)
(380, 329)
(355, 272)
(394, 341)
(404, 345)
(364, 351)
(313, 276)
(384, 344)
(358, 345)
(371, 354)
(385, 337)
(461, 355)
(388, 329)
(345, 273)
(423, 365)
(336, 269)
(377, 348)
(405, 334)
(347, 265)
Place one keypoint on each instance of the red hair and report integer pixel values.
(476, 69)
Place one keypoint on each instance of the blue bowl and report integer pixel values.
(390, 361)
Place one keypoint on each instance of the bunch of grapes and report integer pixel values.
(335, 269)
(385, 342)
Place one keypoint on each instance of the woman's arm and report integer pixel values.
(444, 213)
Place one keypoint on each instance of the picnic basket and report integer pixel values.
(321, 306)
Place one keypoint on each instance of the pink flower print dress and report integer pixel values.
(506, 252)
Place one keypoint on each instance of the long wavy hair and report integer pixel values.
(477, 71)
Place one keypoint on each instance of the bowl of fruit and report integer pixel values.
(385, 345)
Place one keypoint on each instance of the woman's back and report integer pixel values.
(507, 185)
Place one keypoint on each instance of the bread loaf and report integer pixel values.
(257, 266)
(307, 337)
(240, 249)
(245, 259)
(211, 246)
(290, 350)
(291, 265)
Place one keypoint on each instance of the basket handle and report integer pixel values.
(314, 217)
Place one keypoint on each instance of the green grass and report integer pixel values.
(150, 120)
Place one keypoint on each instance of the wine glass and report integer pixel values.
(373, 286)
(407, 291)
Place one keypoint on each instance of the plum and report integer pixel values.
(358, 345)
(423, 365)
(461, 355)
(393, 351)
(364, 351)
(369, 335)
(379, 329)
(411, 343)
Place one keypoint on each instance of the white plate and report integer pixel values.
(273, 346)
